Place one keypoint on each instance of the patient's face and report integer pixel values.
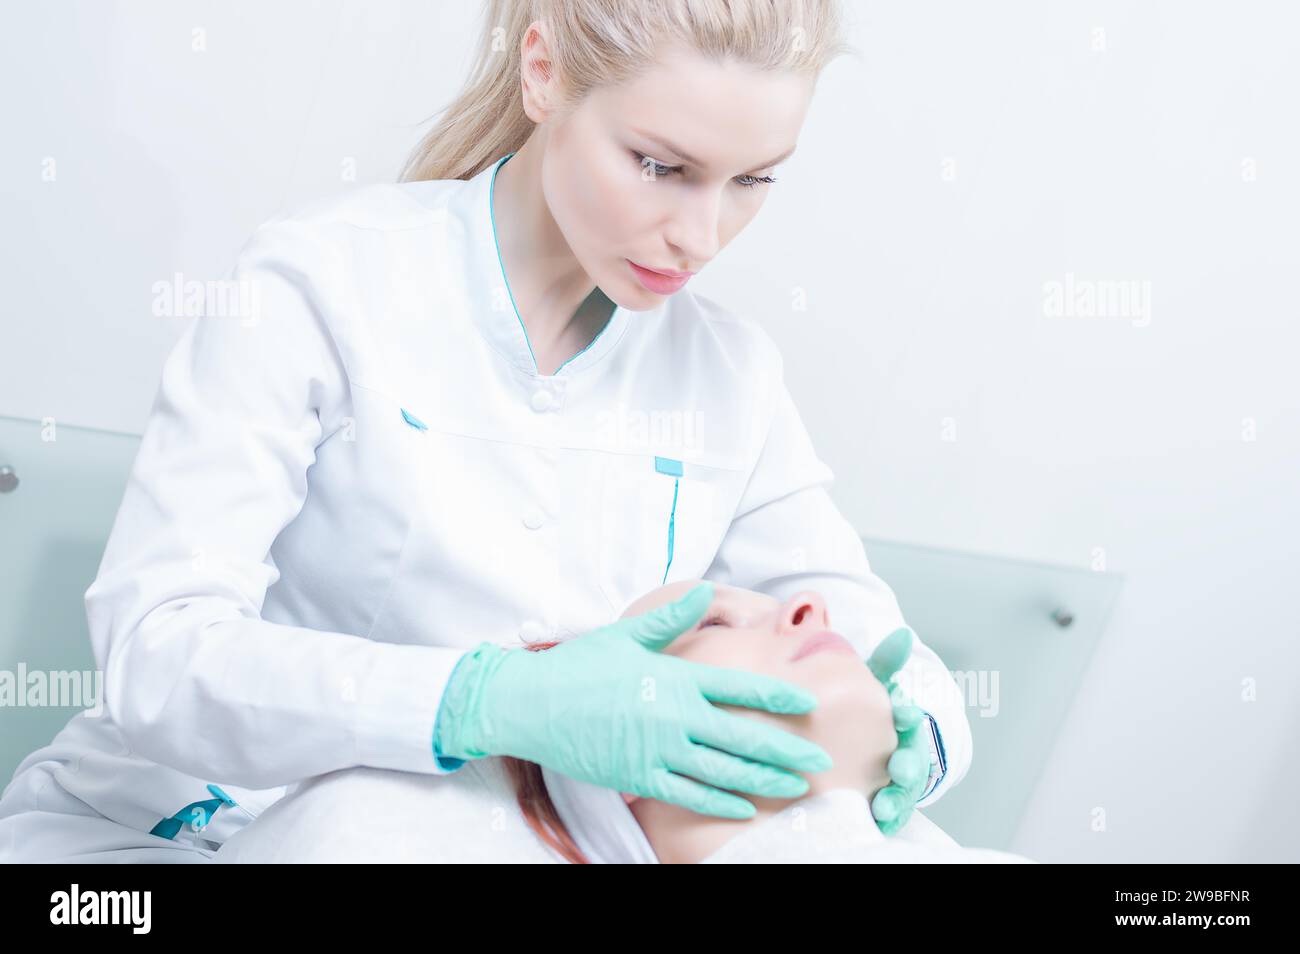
(795, 641)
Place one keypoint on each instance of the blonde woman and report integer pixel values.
(431, 444)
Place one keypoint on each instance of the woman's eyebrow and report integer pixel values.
(781, 158)
(660, 141)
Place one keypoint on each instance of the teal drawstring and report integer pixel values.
(197, 814)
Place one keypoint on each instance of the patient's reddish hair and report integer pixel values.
(535, 801)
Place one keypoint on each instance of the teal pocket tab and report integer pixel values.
(414, 421)
(666, 465)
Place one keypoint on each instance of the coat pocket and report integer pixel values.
(660, 522)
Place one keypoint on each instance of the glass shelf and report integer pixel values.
(53, 527)
(990, 616)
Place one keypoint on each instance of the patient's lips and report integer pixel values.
(824, 640)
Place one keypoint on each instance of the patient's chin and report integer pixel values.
(844, 692)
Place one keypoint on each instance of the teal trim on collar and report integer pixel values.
(609, 322)
(492, 216)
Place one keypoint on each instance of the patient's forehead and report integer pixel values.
(723, 595)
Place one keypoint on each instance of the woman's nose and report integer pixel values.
(696, 230)
(804, 613)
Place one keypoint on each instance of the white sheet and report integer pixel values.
(836, 827)
(375, 815)
(381, 816)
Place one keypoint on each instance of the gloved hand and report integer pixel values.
(909, 766)
(610, 708)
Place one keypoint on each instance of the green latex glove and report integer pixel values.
(909, 766)
(610, 708)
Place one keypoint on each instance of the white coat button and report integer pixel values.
(542, 400)
(534, 518)
(533, 632)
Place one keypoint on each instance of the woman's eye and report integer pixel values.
(717, 619)
(659, 168)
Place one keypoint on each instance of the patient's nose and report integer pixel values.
(804, 613)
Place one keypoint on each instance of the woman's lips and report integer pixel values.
(659, 282)
(825, 640)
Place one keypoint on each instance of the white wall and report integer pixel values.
(973, 153)
(168, 157)
(926, 302)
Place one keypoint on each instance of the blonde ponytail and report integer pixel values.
(597, 43)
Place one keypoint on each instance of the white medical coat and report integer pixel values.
(340, 492)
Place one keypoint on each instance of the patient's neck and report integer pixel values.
(681, 836)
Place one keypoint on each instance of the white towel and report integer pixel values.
(599, 820)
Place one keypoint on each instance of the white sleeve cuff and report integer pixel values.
(396, 705)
